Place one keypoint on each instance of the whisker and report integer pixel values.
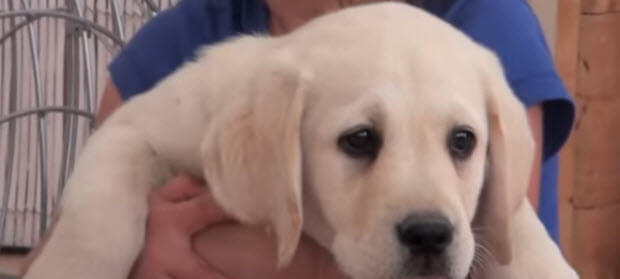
(483, 257)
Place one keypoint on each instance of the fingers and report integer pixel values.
(184, 203)
(199, 212)
(196, 269)
(180, 188)
(176, 211)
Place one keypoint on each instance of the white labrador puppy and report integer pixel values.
(380, 131)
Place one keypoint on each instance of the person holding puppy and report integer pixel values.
(187, 233)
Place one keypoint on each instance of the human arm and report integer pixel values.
(110, 101)
(535, 116)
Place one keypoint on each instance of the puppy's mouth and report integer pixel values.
(440, 277)
(428, 266)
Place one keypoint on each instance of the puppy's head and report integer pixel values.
(379, 131)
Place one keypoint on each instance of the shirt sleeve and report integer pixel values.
(158, 48)
(511, 29)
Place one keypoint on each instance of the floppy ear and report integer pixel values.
(510, 157)
(252, 155)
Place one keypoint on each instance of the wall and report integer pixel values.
(546, 10)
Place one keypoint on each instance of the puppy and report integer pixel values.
(383, 133)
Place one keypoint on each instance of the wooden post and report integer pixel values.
(566, 51)
(588, 59)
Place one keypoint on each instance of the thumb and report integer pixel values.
(196, 269)
(179, 189)
(199, 212)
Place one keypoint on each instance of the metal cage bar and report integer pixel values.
(51, 64)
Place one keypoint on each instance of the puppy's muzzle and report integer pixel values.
(426, 236)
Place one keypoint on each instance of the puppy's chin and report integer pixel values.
(375, 257)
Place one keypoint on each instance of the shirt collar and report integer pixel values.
(253, 15)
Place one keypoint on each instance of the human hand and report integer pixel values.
(176, 212)
(243, 252)
(186, 239)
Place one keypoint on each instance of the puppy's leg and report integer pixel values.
(535, 255)
(102, 219)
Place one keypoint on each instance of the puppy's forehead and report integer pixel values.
(396, 103)
(385, 42)
(365, 58)
(403, 86)
(373, 30)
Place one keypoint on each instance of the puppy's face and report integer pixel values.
(393, 164)
(382, 146)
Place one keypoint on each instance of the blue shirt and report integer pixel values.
(509, 27)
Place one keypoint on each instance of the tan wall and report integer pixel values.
(546, 10)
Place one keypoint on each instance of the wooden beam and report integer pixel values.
(599, 57)
(598, 152)
(566, 50)
(598, 251)
(600, 6)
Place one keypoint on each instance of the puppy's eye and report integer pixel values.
(461, 143)
(360, 142)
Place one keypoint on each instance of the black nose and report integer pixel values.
(425, 233)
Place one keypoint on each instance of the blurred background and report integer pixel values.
(53, 67)
(53, 60)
